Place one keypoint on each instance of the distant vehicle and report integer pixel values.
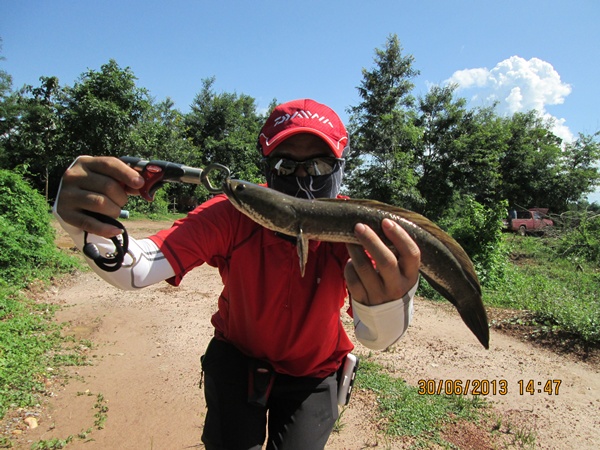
(533, 220)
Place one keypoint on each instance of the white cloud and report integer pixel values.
(518, 85)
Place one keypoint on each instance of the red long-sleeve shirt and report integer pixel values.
(266, 309)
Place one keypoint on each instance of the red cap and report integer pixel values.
(303, 116)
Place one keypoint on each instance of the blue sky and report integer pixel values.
(524, 53)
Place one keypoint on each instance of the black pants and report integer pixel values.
(301, 411)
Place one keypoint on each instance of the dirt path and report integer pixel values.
(145, 369)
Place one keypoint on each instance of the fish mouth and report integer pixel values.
(229, 188)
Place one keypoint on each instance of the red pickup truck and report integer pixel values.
(532, 220)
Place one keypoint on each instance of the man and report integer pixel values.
(279, 340)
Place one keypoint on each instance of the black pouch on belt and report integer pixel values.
(260, 381)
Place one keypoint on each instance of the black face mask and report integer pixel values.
(310, 186)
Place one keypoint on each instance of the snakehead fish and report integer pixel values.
(444, 263)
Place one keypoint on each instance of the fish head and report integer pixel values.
(267, 207)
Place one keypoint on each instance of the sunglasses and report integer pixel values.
(322, 165)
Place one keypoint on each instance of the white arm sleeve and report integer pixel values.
(379, 326)
(144, 263)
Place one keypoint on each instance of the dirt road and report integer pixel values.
(147, 345)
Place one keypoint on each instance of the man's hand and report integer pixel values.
(383, 276)
(98, 184)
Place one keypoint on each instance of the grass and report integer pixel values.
(523, 437)
(562, 294)
(32, 350)
(29, 344)
(403, 411)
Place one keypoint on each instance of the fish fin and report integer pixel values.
(302, 247)
(426, 224)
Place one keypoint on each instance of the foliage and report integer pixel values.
(382, 133)
(578, 171)
(9, 112)
(100, 110)
(158, 207)
(52, 444)
(29, 341)
(562, 295)
(28, 253)
(221, 128)
(97, 116)
(528, 165)
(478, 229)
(56, 124)
(580, 240)
(225, 128)
(161, 134)
(32, 140)
(460, 152)
(26, 236)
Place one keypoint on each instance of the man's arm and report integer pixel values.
(102, 185)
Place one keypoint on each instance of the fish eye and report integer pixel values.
(240, 187)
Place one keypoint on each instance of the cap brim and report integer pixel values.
(271, 144)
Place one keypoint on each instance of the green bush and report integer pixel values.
(22, 206)
(27, 335)
(478, 229)
(582, 240)
(157, 208)
(26, 235)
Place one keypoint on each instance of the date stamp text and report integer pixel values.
(488, 387)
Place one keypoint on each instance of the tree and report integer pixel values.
(441, 120)
(458, 163)
(9, 112)
(383, 136)
(578, 171)
(530, 163)
(9, 115)
(161, 134)
(477, 153)
(224, 127)
(101, 111)
(31, 141)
